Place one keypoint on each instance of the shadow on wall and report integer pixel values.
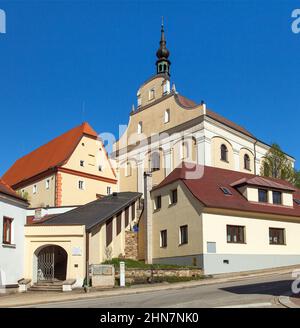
(274, 288)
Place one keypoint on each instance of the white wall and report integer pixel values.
(12, 256)
(256, 252)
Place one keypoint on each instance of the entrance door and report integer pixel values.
(52, 264)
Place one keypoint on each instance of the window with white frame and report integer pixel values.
(167, 115)
(183, 235)
(34, 189)
(166, 87)
(7, 230)
(140, 127)
(108, 190)
(128, 169)
(139, 101)
(48, 184)
(151, 94)
(81, 163)
(81, 185)
(163, 238)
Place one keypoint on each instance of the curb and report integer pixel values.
(286, 302)
(148, 289)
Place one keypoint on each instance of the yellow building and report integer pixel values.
(222, 221)
(166, 128)
(62, 247)
(72, 169)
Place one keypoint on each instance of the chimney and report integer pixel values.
(38, 214)
(148, 217)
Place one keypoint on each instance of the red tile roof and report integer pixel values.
(7, 190)
(259, 181)
(207, 189)
(190, 104)
(51, 155)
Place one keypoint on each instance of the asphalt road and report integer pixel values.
(255, 292)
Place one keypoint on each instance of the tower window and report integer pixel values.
(140, 128)
(166, 87)
(246, 162)
(224, 153)
(151, 94)
(139, 101)
(167, 115)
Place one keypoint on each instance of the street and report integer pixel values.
(259, 292)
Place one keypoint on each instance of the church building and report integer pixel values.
(166, 129)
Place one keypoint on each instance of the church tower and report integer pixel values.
(163, 63)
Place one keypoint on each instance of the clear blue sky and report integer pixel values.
(240, 56)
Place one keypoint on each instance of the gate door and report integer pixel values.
(46, 264)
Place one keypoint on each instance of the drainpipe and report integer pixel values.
(148, 216)
(87, 256)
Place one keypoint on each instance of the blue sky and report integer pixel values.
(59, 57)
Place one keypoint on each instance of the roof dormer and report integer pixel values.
(265, 191)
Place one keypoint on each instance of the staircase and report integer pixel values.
(47, 286)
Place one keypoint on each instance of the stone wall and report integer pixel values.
(131, 245)
(148, 275)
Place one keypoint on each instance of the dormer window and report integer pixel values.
(277, 197)
(247, 162)
(167, 116)
(262, 195)
(151, 94)
(140, 128)
(224, 153)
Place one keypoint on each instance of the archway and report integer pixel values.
(51, 263)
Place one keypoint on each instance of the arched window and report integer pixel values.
(167, 116)
(185, 151)
(128, 169)
(155, 161)
(246, 162)
(224, 153)
(140, 127)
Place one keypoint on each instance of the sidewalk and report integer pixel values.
(31, 298)
(292, 302)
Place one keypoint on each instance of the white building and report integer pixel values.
(12, 221)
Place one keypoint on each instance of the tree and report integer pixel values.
(276, 165)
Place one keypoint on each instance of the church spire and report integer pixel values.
(163, 63)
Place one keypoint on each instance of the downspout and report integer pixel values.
(87, 257)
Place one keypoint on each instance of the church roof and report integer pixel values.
(49, 156)
(189, 104)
